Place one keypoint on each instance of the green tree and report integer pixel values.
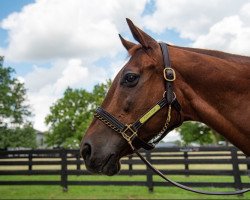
(13, 111)
(71, 115)
(195, 132)
(18, 137)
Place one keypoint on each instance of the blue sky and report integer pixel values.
(8, 7)
(55, 44)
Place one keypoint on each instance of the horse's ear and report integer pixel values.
(143, 38)
(127, 44)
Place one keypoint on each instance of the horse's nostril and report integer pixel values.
(86, 151)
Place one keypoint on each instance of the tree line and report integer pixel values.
(15, 128)
(68, 119)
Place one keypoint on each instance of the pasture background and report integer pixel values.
(115, 191)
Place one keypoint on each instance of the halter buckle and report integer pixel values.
(166, 75)
(128, 138)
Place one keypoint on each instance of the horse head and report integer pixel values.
(135, 89)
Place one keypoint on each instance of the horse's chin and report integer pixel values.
(112, 166)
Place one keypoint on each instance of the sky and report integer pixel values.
(55, 44)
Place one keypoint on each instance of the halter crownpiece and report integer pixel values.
(129, 131)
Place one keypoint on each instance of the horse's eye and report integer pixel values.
(130, 79)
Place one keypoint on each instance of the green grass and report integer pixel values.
(102, 192)
(110, 192)
(180, 178)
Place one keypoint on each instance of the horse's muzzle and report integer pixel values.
(97, 163)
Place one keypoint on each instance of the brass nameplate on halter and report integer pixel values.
(150, 113)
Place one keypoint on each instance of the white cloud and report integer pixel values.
(72, 75)
(190, 18)
(216, 24)
(229, 34)
(40, 104)
(49, 29)
(46, 85)
(40, 76)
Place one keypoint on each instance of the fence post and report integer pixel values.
(130, 166)
(186, 162)
(30, 161)
(236, 171)
(64, 175)
(248, 166)
(150, 182)
(78, 165)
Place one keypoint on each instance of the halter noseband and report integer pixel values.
(129, 131)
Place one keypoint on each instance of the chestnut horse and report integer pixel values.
(211, 86)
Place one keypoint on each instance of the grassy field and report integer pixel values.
(109, 192)
(101, 192)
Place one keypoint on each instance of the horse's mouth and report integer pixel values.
(111, 165)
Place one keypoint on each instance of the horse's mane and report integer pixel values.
(219, 54)
(214, 53)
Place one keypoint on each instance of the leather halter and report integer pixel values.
(129, 131)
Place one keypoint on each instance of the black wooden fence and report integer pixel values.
(188, 161)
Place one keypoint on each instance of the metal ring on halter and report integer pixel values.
(165, 74)
(129, 139)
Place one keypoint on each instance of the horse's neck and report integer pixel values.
(216, 92)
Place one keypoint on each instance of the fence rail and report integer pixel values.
(68, 162)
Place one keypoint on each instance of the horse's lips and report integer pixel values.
(111, 166)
